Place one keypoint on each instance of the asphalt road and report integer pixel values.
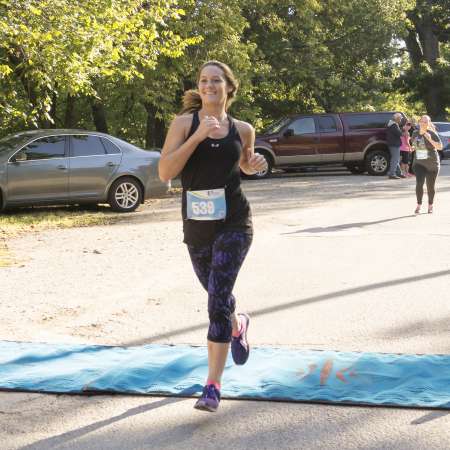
(338, 262)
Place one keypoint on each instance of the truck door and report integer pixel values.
(297, 144)
(330, 147)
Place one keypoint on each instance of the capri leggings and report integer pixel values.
(422, 174)
(217, 266)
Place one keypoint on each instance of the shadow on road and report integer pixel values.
(297, 303)
(346, 226)
(61, 439)
(429, 417)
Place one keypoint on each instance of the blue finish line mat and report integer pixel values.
(278, 374)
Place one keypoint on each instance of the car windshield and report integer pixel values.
(12, 141)
(442, 126)
(276, 126)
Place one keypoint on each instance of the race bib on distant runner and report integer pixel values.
(421, 154)
(206, 205)
(421, 149)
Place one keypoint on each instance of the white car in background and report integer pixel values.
(443, 129)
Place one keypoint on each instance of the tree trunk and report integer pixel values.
(99, 115)
(413, 47)
(69, 116)
(423, 46)
(155, 131)
(31, 88)
(53, 109)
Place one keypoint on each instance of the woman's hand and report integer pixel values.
(257, 162)
(436, 145)
(207, 125)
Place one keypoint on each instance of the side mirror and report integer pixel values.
(19, 157)
(289, 132)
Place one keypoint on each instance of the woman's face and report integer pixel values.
(423, 122)
(212, 85)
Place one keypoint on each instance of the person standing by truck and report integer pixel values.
(393, 137)
(426, 142)
(405, 148)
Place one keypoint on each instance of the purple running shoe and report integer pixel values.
(240, 349)
(209, 400)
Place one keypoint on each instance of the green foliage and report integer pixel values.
(324, 56)
(54, 47)
(137, 57)
(426, 76)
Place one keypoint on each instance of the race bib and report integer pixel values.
(206, 205)
(421, 154)
(421, 149)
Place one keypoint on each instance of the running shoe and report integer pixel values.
(240, 349)
(430, 209)
(209, 400)
(417, 210)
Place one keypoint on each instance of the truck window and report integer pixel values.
(276, 126)
(364, 121)
(304, 125)
(327, 124)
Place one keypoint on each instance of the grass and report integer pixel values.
(5, 259)
(16, 222)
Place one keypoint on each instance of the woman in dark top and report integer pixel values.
(426, 142)
(209, 148)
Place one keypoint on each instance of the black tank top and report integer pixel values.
(215, 164)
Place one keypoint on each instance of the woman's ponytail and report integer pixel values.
(191, 102)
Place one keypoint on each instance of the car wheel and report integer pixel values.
(264, 173)
(125, 195)
(377, 162)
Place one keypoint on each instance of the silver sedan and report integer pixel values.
(72, 166)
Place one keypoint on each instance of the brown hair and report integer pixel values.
(192, 100)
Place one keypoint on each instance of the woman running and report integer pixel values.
(209, 148)
(425, 142)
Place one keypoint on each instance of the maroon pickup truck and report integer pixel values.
(355, 140)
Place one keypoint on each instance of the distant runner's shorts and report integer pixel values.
(405, 157)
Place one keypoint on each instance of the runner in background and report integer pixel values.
(426, 142)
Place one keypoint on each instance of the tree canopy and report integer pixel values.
(121, 66)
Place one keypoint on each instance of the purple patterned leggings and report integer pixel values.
(217, 266)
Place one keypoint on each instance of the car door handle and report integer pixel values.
(111, 164)
(61, 167)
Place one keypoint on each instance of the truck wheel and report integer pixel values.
(264, 173)
(377, 162)
(356, 169)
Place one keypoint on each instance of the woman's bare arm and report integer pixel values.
(437, 145)
(250, 162)
(177, 150)
(247, 133)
